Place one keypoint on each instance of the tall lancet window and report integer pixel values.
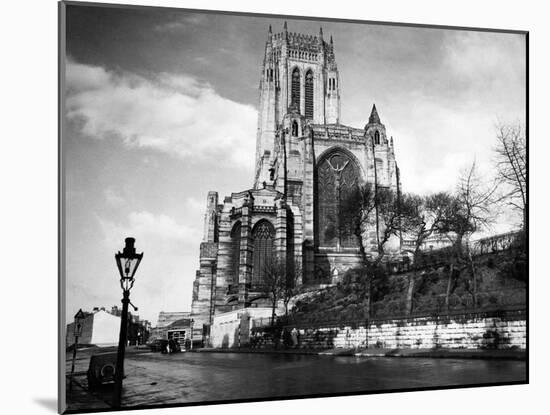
(235, 251)
(376, 137)
(263, 235)
(294, 129)
(309, 95)
(295, 88)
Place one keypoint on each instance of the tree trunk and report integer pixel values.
(273, 306)
(369, 295)
(449, 285)
(410, 293)
(474, 279)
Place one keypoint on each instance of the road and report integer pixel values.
(154, 378)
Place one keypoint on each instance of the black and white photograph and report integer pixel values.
(259, 207)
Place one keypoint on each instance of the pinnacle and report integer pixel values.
(374, 118)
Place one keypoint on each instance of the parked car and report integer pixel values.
(102, 369)
(165, 346)
(157, 345)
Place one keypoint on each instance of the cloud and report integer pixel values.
(432, 151)
(175, 114)
(156, 232)
(487, 66)
(112, 198)
(167, 271)
(182, 23)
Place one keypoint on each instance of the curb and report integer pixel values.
(439, 354)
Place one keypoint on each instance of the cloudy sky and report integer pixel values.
(161, 107)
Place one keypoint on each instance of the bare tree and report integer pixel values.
(358, 208)
(274, 281)
(511, 163)
(279, 282)
(470, 212)
(290, 288)
(379, 209)
(422, 218)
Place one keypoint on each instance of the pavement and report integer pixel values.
(208, 375)
(79, 398)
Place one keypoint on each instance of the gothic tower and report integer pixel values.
(299, 73)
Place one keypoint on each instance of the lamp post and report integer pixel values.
(127, 263)
(77, 331)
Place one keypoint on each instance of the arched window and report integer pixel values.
(309, 95)
(337, 177)
(376, 137)
(295, 88)
(263, 235)
(294, 129)
(235, 252)
(379, 166)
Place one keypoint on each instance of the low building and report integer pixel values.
(173, 324)
(179, 330)
(232, 329)
(99, 328)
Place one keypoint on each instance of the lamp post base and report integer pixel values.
(119, 371)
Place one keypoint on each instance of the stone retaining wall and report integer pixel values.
(464, 331)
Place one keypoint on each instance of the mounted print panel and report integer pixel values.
(259, 207)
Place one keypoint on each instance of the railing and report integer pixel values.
(441, 256)
(496, 243)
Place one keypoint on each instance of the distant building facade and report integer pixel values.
(99, 328)
(307, 163)
(168, 317)
(172, 324)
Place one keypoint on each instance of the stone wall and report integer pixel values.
(464, 331)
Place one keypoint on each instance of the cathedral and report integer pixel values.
(307, 162)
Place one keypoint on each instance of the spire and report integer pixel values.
(284, 27)
(331, 40)
(374, 118)
(269, 29)
(321, 32)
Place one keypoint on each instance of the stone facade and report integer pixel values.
(306, 164)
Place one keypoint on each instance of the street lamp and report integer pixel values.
(127, 262)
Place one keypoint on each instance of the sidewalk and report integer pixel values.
(79, 399)
(509, 354)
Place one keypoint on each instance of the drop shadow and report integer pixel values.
(48, 403)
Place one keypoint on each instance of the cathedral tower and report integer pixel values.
(299, 73)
